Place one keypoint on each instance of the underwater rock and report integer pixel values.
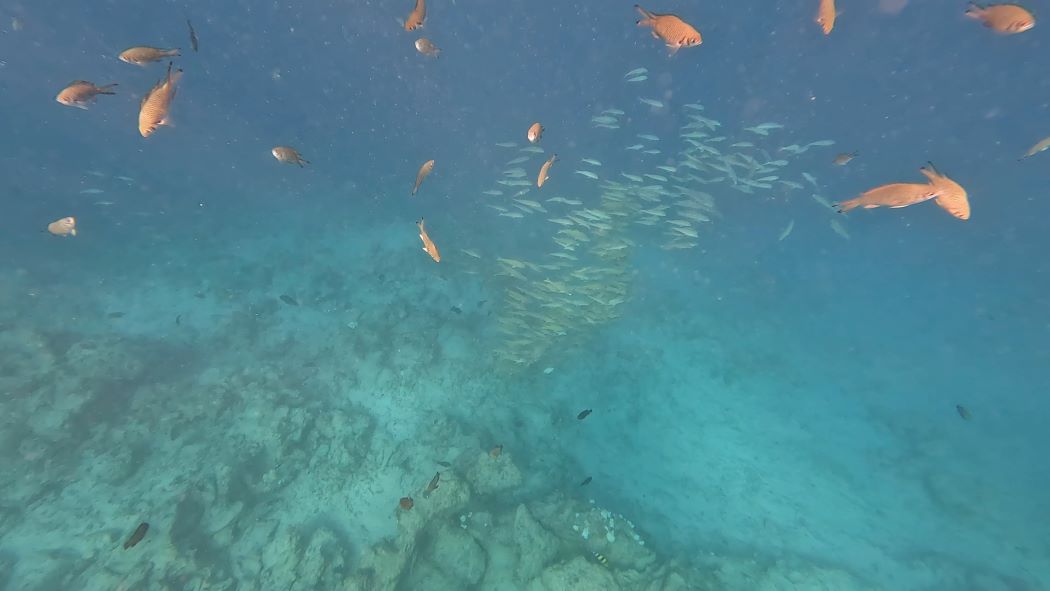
(455, 553)
(578, 574)
(491, 475)
(536, 546)
(745, 573)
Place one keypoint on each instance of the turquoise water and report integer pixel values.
(259, 360)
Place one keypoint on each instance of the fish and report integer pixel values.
(288, 155)
(178, 320)
(427, 47)
(428, 245)
(417, 16)
(652, 102)
(844, 158)
(649, 136)
(193, 36)
(444, 464)
(616, 112)
(115, 315)
(406, 503)
(434, 482)
(636, 72)
(839, 229)
(532, 149)
(493, 192)
(826, 16)
(820, 144)
(81, 93)
(66, 226)
(1007, 19)
(591, 161)
(471, 253)
(583, 414)
(600, 558)
(672, 30)
(656, 177)
(91, 191)
(951, 196)
(587, 174)
(638, 79)
(544, 170)
(506, 145)
(142, 55)
(635, 147)
(156, 105)
(424, 170)
(496, 451)
(586, 481)
(289, 300)
(534, 133)
(964, 412)
(787, 231)
(893, 195)
(137, 535)
(1043, 144)
(517, 160)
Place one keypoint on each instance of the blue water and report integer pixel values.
(767, 412)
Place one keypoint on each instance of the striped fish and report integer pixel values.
(157, 103)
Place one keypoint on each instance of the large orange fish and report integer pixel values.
(424, 170)
(1007, 19)
(675, 32)
(156, 105)
(428, 245)
(81, 93)
(892, 195)
(826, 16)
(288, 155)
(417, 16)
(951, 197)
(140, 56)
(542, 178)
(534, 133)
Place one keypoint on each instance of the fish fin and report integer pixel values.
(974, 10)
(73, 232)
(80, 106)
(672, 50)
(106, 89)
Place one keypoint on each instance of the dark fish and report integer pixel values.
(193, 35)
(963, 412)
(115, 315)
(433, 485)
(289, 300)
(199, 295)
(583, 414)
(586, 481)
(178, 320)
(457, 309)
(140, 532)
(444, 464)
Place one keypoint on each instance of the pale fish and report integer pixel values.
(787, 231)
(636, 72)
(507, 145)
(839, 229)
(532, 149)
(652, 103)
(635, 147)
(587, 174)
(648, 136)
(638, 79)
(592, 161)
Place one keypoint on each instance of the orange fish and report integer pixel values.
(893, 195)
(140, 56)
(951, 197)
(826, 16)
(675, 32)
(430, 248)
(63, 227)
(157, 103)
(427, 48)
(534, 133)
(844, 158)
(542, 178)
(288, 155)
(417, 16)
(424, 170)
(80, 93)
(1007, 19)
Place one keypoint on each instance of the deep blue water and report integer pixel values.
(768, 413)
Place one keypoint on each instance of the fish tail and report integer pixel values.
(173, 52)
(844, 206)
(106, 89)
(645, 22)
(974, 10)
